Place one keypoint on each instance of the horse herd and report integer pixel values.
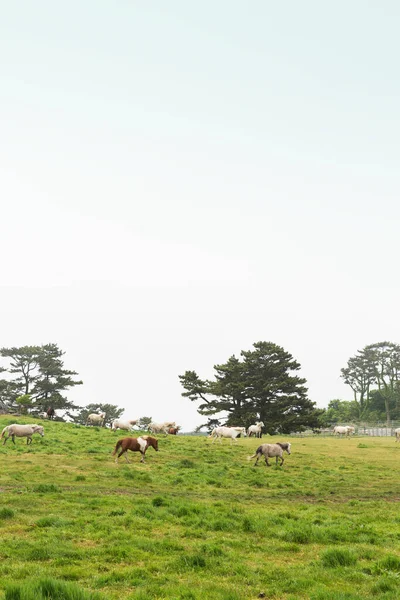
(168, 427)
(142, 443)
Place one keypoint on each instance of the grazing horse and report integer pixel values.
(227, 432)
(50, 412)
(256, 429)
(271, 450)
(139, 444)
(16, 430)
(397, 434)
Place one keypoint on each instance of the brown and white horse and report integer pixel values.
(139, 444)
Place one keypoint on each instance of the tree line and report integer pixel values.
(34, 378)
(263, 384)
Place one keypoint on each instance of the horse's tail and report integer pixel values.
(4, 431)
(117, 447)
(250, 457)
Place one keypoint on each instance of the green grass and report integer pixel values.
(197, 520)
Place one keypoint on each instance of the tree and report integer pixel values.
(210, 425)
(40, 373)
(376, 365)
(24, 402)
(144, 422)
(261, 385)
(112, 412)
(24, 363)
(340, 411)
(53, 378)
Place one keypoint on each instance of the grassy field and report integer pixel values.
(198, 520)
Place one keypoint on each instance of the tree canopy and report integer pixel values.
(262, 384)
(373, 374)
(36, 372)
(112, 412)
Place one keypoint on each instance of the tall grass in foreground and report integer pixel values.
(48, 589)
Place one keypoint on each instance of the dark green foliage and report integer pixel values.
(40, 375)
(373, 374)
(261, 385)
(112, 412)
(6, 513)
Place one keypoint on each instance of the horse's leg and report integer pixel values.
(266, 461)
(5, 439)
(142, 459)
(258, 456)
(126, 456)
(13, 439)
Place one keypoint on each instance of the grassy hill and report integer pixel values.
(197, 520)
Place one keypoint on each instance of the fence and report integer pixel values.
(360, 430)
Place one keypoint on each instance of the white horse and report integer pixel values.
(227, 432)
(255, 429)
(16, 430)
(160, 427)
(96, 419)
(346, 430)
(119, 424)
(397, 434)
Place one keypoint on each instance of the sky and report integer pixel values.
(180, 180)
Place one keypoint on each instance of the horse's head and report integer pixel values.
(38, 429)
(153, 442)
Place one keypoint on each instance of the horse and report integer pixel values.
(96, 419)
(397, 434)
(50, 412)
(227, 432)
(346, 430)
(16, 430)
(119, 424)
(256, 429)
(173, 430)
(139, 444)
(160, 427)
(271, 450)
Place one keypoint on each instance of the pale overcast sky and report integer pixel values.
(180, 180)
